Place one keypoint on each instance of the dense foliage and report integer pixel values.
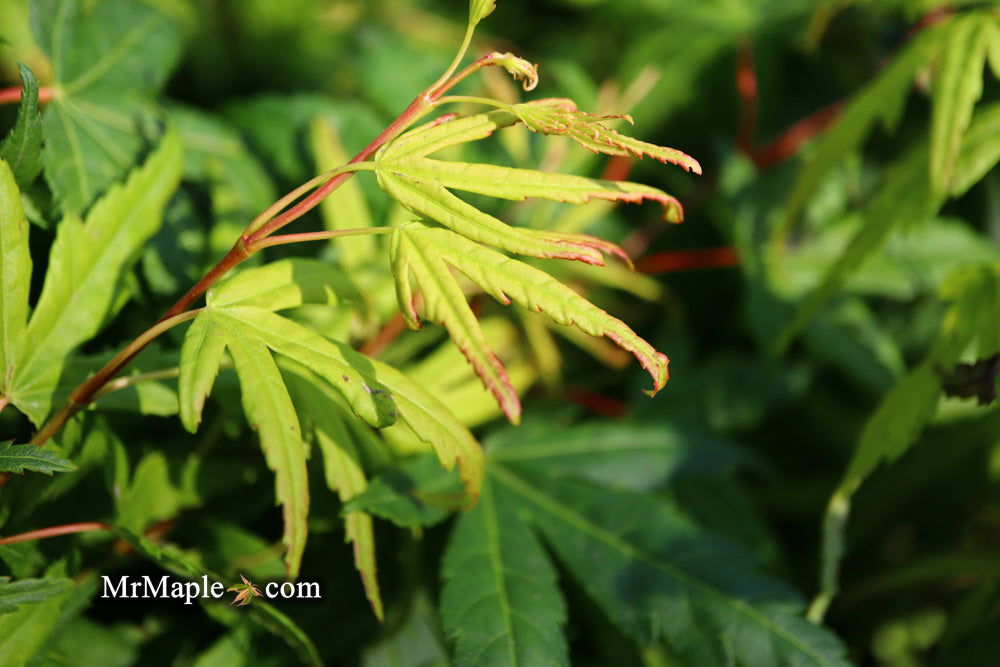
(425, 393)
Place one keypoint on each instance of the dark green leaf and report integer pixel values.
(657, 576)
(22, 148)
(18, 458)
(415, 493)
(500, 602)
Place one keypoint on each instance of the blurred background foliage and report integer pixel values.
(262, 89)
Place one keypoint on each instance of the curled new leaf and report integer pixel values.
(480, 9)
(561, 117)
(519, 68)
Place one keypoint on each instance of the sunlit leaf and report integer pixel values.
(39, 602)
(427, 253)
(287, 283)
(329, 425)
(15, 276)
(201, 354)
(271, 413)
(87, 263)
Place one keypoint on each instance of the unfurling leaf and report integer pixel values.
(561, 117)
(480, 9)
(428, 254)
(519, 68)
(422, 185)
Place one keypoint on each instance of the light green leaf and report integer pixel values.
(271, 413)
(150, 495)
(28, 591)
(344, 369)
(376, 392)
(480, 9)
(500, 601)
(659, 577)
(108, 60)
(347, 208)
(435, 424)
(417, 492)
(433, 201)
(445, 303)
(15, 276)
(519, 68)
(18, 458)
(327, 422)
(88, 261)
(284, 284)
(506, 280)
(958, 84)
(201, 354)
(519, 184)
(882, 100)
(22, 148)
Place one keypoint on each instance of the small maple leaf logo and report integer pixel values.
(245, 592)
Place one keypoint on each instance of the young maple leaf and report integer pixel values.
(245, 592)
(559, 116)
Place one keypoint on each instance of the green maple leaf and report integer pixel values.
(239, 317)
(427, 255)
(653, 571)
(109, 59)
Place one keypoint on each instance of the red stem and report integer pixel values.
(12, 95)
(55, 531)
(747, 89)
(245, 246)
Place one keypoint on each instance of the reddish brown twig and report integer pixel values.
(687, 260)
